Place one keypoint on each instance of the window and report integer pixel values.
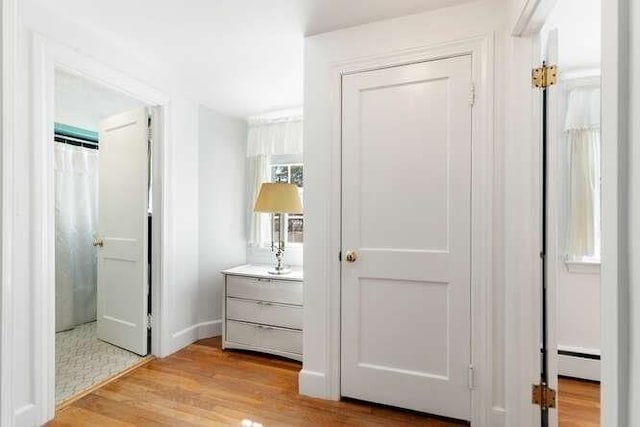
(582, 133)
(274, 153)
(287, 169)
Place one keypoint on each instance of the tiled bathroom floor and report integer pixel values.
(82, 360)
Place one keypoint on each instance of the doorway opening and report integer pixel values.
(571, 40)
(92, 206)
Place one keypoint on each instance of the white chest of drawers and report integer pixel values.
(263, 312)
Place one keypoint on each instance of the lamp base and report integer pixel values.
(279, 268)
(282, 270)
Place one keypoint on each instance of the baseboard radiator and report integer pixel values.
(576, 362)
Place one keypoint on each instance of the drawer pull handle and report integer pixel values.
(263, 303)
(260, 279)
(264, 327)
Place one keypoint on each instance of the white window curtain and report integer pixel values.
(266, 138)
(76, 180)
(582, 130)
(259, 224)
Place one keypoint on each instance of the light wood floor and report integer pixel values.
(202, 385)
(579, 403)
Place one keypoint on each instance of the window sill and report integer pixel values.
(583, 267)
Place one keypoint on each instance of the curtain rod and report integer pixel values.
(75, 141)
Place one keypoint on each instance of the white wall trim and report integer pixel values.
(197, 332)
(9, 73)
(202, 328)
(579, 367)
(498, 417)
(582, 267)
(481, 50)
(47, 57)
(533, 17)
(615, 314)
(314, 383)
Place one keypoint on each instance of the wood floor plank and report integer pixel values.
(203, 385)
(578, 403)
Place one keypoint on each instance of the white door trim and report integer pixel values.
(481, 50)
(533, 17)
(47, 57)
(9, 101)
(615, 263)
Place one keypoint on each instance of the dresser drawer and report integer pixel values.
(268, 313)
(263, 289)
(264, 337)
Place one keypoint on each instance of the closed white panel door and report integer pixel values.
(406, 183)
(122, 230)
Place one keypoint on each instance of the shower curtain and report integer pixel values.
(76, 183)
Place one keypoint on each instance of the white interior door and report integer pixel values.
(122, 229)
(406, 183)
(553, 257)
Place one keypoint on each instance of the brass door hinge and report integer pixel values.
(544, 76)
(543, 396)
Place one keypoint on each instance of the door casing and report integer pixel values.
(481, 50)
(49, 56)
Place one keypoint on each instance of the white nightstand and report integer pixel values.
(263, 312)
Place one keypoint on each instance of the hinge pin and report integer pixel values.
(543, 396)
(545, 76)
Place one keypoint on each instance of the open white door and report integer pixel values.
(544, 393)
(549, 244)
(406, 236)
(122, 230)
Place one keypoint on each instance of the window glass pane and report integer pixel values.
(296, 228)
(276, 227)
(279, 173)
(297, 175)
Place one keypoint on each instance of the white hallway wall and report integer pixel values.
(425, 29)
(187, 320)
(222, 208)
(578, 310)
(579, 37)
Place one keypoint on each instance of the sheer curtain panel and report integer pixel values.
(259, 224)
(582, 128)
(76, 173)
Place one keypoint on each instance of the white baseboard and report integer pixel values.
(498, 417)
(579, 367)
(313, 384)
(193, 333)
(27, 415)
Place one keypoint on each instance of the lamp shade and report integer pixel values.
(278, 197)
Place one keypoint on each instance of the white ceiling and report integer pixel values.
(71, 106)
(579, 33)
(244, 56)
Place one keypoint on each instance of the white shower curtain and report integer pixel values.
(76, 172)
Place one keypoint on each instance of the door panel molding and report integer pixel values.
(481, 49)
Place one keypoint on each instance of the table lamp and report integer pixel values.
(281, 199)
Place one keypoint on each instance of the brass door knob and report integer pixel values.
(351, 256)
(98, 243)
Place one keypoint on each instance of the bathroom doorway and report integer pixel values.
(90, 161)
